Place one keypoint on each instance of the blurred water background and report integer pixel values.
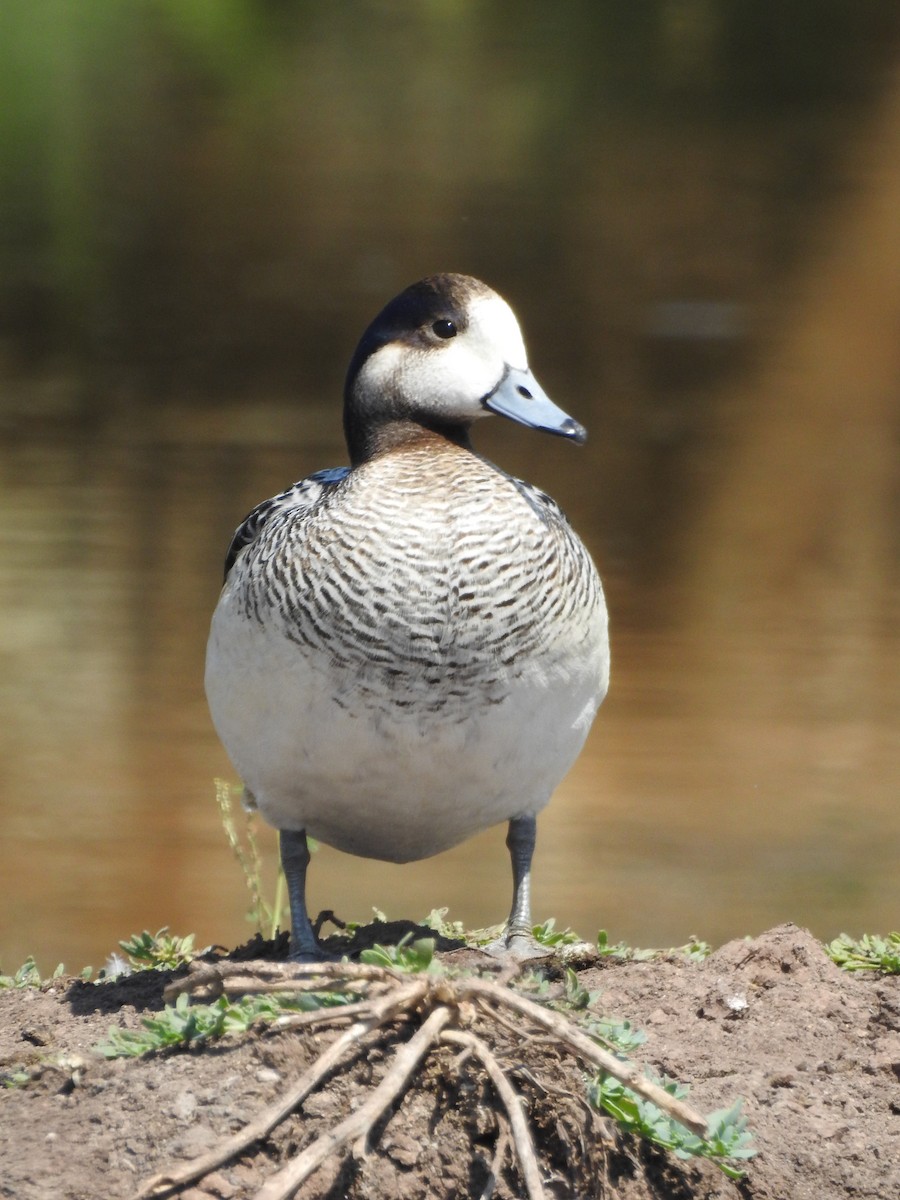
(693, 206)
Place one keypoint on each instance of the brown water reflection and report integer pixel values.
(717, 296)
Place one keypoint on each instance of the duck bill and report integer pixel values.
(520, 397)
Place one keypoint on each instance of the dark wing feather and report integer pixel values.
(545, 506)
(298, 498)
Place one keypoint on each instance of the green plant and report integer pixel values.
(28, 975)
(266, 917)
(159, 951)
(693, 949)
(183, 1023)
(577, 1002)
(608, 949)
(728, 1138)
(14, 1079)
(619, 1036)
(577, 996)
(408, 956)
(548, 935)
(870, 953)
(437, 920)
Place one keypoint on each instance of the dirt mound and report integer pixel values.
(814, 1051)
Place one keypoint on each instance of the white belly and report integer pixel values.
(321, 749)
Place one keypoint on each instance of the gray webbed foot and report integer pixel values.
(521, 947)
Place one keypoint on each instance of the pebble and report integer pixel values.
(886, 1056)
(216, 1184)
(267, 1075)
(195, 1142)
(403, 1150)
(185, 1105)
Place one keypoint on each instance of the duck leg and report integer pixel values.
(294, 861)
(520, 840)
(517, 940)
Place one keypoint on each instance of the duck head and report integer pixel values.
(444, 353)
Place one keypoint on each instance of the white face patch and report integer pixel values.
(449, 379)
(380, 368)
(493, 329)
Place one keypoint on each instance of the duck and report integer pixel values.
(412, 648)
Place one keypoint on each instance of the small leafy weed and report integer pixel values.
(184, 1024)
(618, 1036)
(870, 953)
(548, 935)
(409, 956)
(608, 949)
(728, 1138)
(28, 975)
(14, 1079)
(159, 951)
(694, 950)
(437, 920)
(578, 997)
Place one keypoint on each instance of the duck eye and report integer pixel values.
(444, 329)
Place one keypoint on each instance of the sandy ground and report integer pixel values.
(814, 1052)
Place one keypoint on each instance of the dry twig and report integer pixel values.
(330, 1015)
(512, 1102)
(569, 1035)
(388, 995)
(502, 1145)
(238, 979)
(358, 1125)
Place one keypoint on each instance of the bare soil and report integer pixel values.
(814, 1052)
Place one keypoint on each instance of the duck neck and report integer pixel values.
(367, 438)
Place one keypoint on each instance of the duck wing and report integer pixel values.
(299, 498)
